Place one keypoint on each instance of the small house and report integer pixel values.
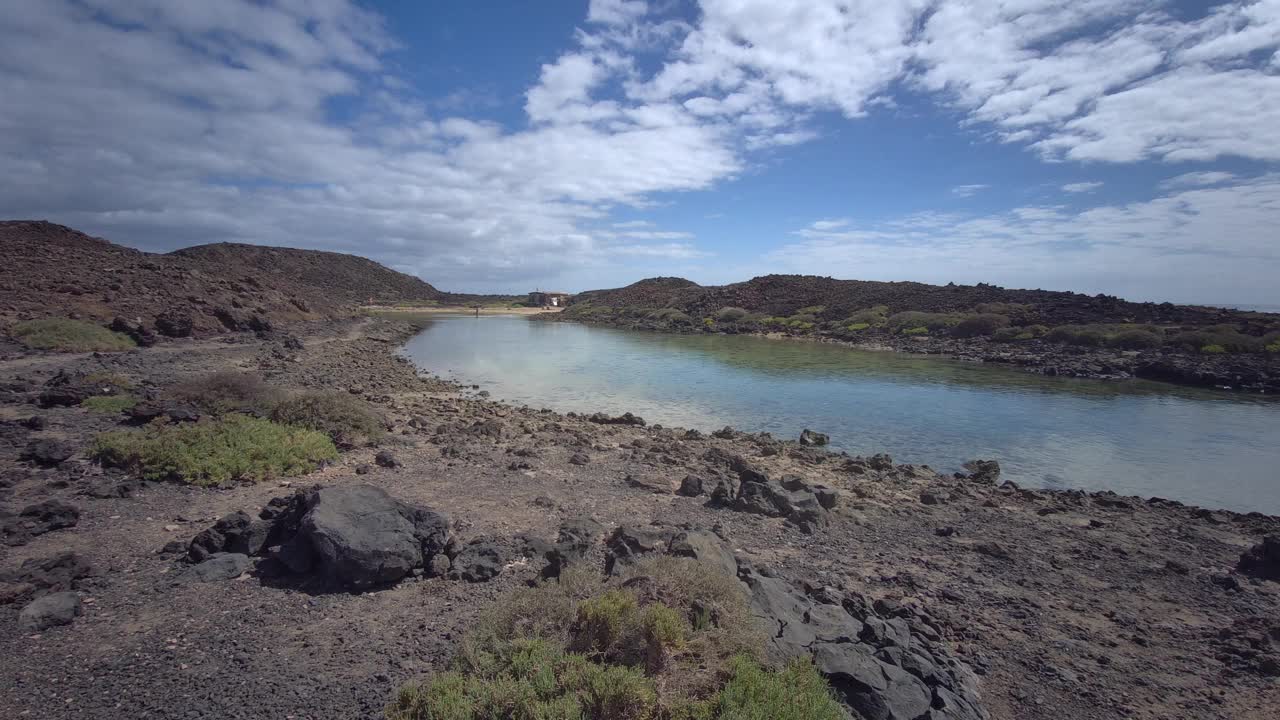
(548, 299)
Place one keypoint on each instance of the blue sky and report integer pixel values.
(1121, 146)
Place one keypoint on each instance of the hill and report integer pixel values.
(785, 295)
(54, 270)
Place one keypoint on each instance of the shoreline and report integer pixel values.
(1062, 603)
(455, 310)
(1238, 373)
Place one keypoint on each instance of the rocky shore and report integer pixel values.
(918, 594)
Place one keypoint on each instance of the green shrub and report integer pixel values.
(70, 336)
(227, 392)
(113, 404)
(871, 316)
(797, 692)
(682, 638)
(731, 314)
(233, 448)
(1120, 335)
(811, 310)
(531, 680)
(916, 331)
(979, 325)
(857, 327)
(796, 324)
(1226, 337)
(345, 418)
(1213, 350)
(809, 318)
(671, 316)
(1274, 347)
(1135, 340)
(1084, 335)
(913, 319)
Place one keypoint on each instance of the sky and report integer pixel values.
(1129, 147)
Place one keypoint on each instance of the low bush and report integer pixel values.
(1226, 337)
(857, 327)
(980, 325)
(345, 418)
(1118, 335)
(916, 331)
(731, 314)
(227, 392)
(671, 316)
(112, 404)
(913, 319)
(672, 640)
(68, 335)
(814, 310)
(1213, 350)
(233, 448)
(1273, 347)
(1135, 340)
(1019, 333)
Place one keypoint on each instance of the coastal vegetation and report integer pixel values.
(996, 322)
(67, 335)
(232, 448)
(686, 648)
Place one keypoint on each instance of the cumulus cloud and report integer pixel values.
(171, 123)
(166, 124)
(964, 191)
(1081, 187)
(1200, 244)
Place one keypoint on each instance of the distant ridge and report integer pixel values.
(783, 295)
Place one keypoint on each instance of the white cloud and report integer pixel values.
(165, 123)
(1205, 244)
(964, 191)
(1198, 179)
(831, 224)
(1081, 187)
(616, 12)
(230, 141)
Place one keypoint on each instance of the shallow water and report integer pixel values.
(1209, 448)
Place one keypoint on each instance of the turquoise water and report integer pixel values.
(1209, 448)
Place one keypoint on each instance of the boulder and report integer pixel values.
(174, 323)
(983, 471)
(49, 515)
(810, 438)
(1262, 560)
(477, 561)
(623, 419)
(48, 452)
(691, 486)
(233, 533)
(361, 537)
(39, 576)
(52, 610)
(218, 568)
(877, 665)
(628, 543)
(387, 459)
(704, 547)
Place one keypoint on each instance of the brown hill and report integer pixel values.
(53, 270)
(783, 295)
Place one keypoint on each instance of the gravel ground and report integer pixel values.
(1065, 604)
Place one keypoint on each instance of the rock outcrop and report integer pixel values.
(350, 536)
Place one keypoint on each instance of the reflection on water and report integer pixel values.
(1203, 447)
